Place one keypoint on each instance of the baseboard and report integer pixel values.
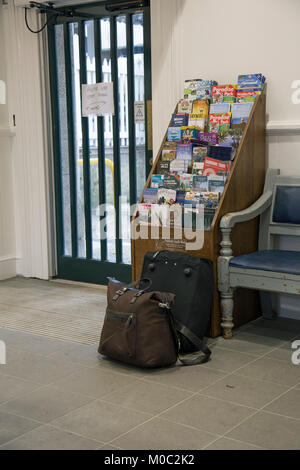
(7, 267)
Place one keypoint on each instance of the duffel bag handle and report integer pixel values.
(137, 283)
(140, 291)
(134, 284)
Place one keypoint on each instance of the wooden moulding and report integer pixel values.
(244, 185)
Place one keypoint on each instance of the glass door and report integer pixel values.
(101, 162)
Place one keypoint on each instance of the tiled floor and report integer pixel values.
(60, 395)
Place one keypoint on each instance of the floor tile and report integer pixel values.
(11, 387)
(279, 323)
(20, 284)
(92, 293)
(65, 325)
(95, 382)
(269, 431)
(120, 367)
(208, 414)
(211, 341)
(148, 397)
(284, 352)
(82, 307)
(273, 370)
(230, 444)
(246, 342)
(159, 434)
(228, 361)
(268, 332)
(31, 343)
(17, 354)
(191, 378)
(19, 297)
(50, 438)
(81, 354)
(288, 404)
(245, 391)
(13, 426)
(38, 369)
(95, 400)
(101, 421)
(109, 447)
(46, 404)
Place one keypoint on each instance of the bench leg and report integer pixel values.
(227, 313)
(266, 305)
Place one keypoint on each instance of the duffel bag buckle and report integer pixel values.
(119, 293)
(135, 297)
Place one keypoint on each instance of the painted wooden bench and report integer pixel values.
(268, 270)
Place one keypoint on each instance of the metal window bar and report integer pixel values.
(56, 142)
(100, 127)
(147, 86)
(116, 139)
(71, 140)
(85, 148)
(131, 126)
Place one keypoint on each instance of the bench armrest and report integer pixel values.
(228, 221)
(226, 225)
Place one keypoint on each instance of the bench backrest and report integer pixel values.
(283, 216)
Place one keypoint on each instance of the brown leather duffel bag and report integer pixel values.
(138, 327)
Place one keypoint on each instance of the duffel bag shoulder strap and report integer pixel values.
(193, 358)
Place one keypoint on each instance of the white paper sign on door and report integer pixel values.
(98, 99)
(139, 112)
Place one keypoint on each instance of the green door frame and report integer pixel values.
(73, 267)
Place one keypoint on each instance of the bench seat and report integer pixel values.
(280, 261)
(268, 270)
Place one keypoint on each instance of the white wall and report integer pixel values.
(218, 40)
(3, 106)
(27, 154)
(7, 227)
